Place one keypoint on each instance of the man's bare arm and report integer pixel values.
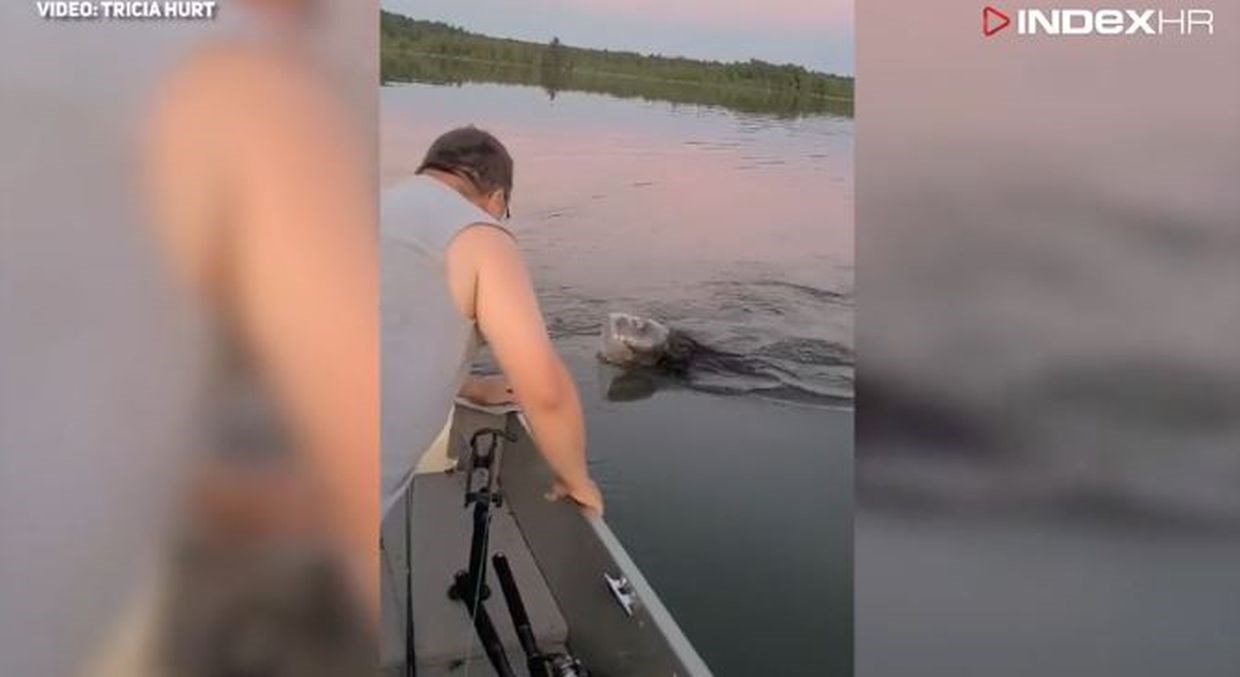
(507, 312)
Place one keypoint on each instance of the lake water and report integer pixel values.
(731, 487)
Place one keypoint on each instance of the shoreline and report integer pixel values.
(619, 76)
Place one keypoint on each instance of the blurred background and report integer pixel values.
(160, 490)
(1048, 460)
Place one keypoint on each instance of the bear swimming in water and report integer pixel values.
(632, 341)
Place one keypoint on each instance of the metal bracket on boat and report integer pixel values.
(479, 483)
(622, 591)
(468, 586)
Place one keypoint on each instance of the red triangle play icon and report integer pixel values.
(993, 21)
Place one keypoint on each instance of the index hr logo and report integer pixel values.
(1100, 22)
(994, 21)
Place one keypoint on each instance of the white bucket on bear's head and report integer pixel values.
(630, 339)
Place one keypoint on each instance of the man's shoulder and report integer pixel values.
(488, 238)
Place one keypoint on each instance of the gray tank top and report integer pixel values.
(427, 344)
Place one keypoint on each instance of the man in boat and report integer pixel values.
(453, 276)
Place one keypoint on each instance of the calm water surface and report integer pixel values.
(730, 487)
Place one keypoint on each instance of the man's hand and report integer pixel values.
(488, 390)
(585, 494)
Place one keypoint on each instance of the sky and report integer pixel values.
(817, 34)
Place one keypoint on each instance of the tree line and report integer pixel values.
(410, 47)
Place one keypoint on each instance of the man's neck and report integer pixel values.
(452, 181)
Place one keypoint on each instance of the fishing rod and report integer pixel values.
(538, 663)
(469, 585)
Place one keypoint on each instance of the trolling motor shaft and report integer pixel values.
(469, 585)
